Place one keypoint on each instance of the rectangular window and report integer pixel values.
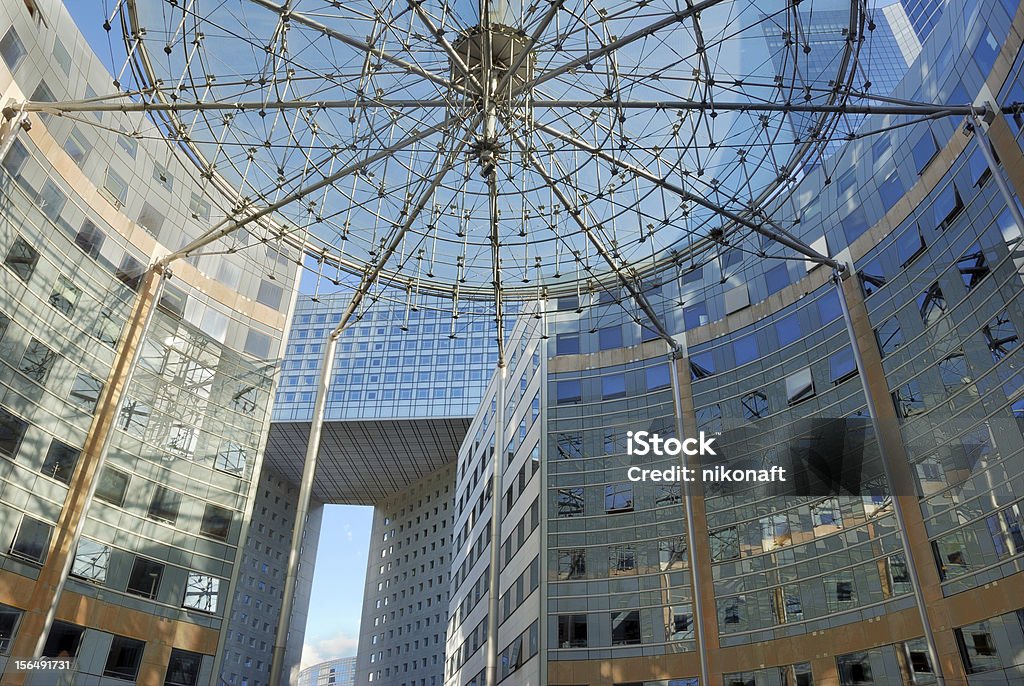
(165, 505)
(130, 272)
(199, 207)
(124, 658)
(908, 400)
(567, 344)
(85, 393)
(799, 387)
(163, 177)
(12, 431)
(65, 295)
(116, 186)
(128, 143)
(231, 458)
(572, 564)
(754, 405)
(776, 278)
(842, 366)
(144, 579)
(621, 560)
(609, 338)
(568, 392)
(216, 522)
(694, 316)
(725, 544)
(183, 668)
(572, 631)
(64, 640)
(570, 502)
(60, 461)
(924, 150)
(889, 335)
(973, 266)
(658, 377)
(1001, 336)
(90, 239)
(51, 200)
(9, 619)
(37, 361)
(613, 386)
(92, 559)
(618, 498)
(78, 147)
(112, 486)
(32, 541)
(626, 628)
(12, 49)
(672, 554)
(702, 365)
(745, 349)
(201, 593)
(22, 259)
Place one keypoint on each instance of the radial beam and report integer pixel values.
(922, 109)
(590, 233)
(229, 226)
(779, 236)
(438, 34)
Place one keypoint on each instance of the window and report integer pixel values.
(162, 176)
(144, 579)
(216, 522)
(134, 417)
(695, 315)
(570, 502)
(754, 405)
(91, 561)
(64, 640)
(51, 200)
(201, 592)
(725, 544)
(973, 266)
(165, 505)
(270, 294)
(872, 278)
(85, 393)
(37, 361)
(151, 219)
(709, 419)
(21, 259)
(618, 498)
(32, 541)
(947, 205)
(842, 366)
(658, 377)
(702, 365)
(112, 486)
(183, 668)
(9, 618)
(788, 329)
(609, 338)
(130, 272)
(567, 344)
(953, 371)
(626, 628)
(568, 392)
(909, 246)
(77, 147)
(908, 400)
(60, 461)
(931, 304)
(776, 278)
(572, 564)
(799, 387)
(827, 513)
(569, 445)
(12, 430)
(854, 668)
(1001, 336)
(12, 50)
(745, 349)
(672, 554)
(128, 143)
(231, 459)
(829, 308)
(570, 302)
(889, 335)
(65, 296)
(199, 207)
(890, 190)
(572, 631)
(124, 658)
(924, 150)
(613, 386)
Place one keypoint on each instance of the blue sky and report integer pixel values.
(333, 627)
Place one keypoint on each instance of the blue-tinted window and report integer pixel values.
(947, 206)
(846, 181)
(613, 386)
(924, 150)
(609, 337)
(568, 392)
(745, 349)
(776, 278)
(695, 315)
(695, 275)
(985, 51)
(829, 307)
(842, 366)
(890, 190)
(568, 303)
(658, 377)
(979, 167)
(788, 329)
(854, 224)
(871, 277)
(567, 344)
(702, 365)
(909, 245)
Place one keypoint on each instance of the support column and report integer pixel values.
(1013, 162)
(302, 507)
(494, 573)
(41, 606)
(698, 546)
(936, 626)
(1001, 136)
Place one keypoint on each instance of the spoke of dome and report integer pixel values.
(775, 233)
(360, 45)
(591, 233)
(229, 226)
(910, 109)
(618, 43)
(97, 105)
(438, 34)
(374, 271)
(499, 316)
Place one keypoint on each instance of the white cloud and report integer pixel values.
(330, 648)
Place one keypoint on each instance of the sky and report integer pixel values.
(332, 630)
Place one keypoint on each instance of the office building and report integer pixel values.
(340, 672)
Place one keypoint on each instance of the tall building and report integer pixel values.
(134, 404)
(340, 672)
(924, 15)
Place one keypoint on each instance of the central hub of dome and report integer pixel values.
(507, 49)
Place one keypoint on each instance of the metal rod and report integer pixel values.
(691, 525)
(897, 507)
(302, 506)
(16, 121)
(112, 405)
(997, 174)
(494, 573)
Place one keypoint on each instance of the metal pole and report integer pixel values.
(302, 506)
(897, 507)
(691, 526)
(101, 460)
(494, 573)
(997, 174)
(15, 121)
